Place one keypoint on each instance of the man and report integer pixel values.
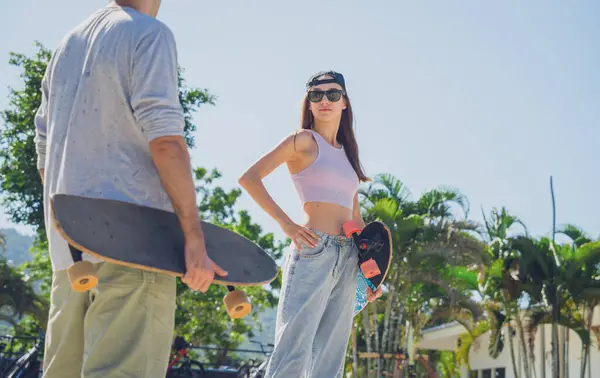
(111, 126)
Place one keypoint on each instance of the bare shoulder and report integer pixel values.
(302, 140)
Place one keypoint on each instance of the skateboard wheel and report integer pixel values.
(82, 276)
(237, 304)
(351, 227)
(370, 268)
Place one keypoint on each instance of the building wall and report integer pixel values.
(445, 338)
(480, 359)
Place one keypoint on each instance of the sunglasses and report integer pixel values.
(333, 95)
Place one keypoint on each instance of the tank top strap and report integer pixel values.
(317, 137)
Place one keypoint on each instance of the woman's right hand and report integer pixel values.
(300, 235)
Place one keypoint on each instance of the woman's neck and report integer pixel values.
(328, 131)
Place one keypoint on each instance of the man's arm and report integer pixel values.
(156, 107)
(158, 112)
(172, 161)
(41, 124)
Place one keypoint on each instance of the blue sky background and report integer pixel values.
(489, 97)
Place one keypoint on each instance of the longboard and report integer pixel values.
(151, 239)
(374, 244)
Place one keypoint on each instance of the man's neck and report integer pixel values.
(139, 5)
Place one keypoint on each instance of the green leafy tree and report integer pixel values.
(20, 182)
(200, 317)
(18, 298)
(588, 292)
(561, 279)
(500, 292)
(21, 185)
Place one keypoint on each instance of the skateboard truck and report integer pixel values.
(237, 303)
(369, 267)
(82, 273)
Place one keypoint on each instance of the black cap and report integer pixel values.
(337, 78)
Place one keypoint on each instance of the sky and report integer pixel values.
(491, 98)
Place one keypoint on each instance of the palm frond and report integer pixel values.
(500, 223)
(454, 296)
(576, 234)
(437, 202)
(385, 210)
(394, 186)
(449, 313)
(464, 277)
(587, 254)
(456, 248)
(466, 340)
(534, 258)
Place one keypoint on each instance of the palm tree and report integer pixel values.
(587, 291)
(557, 276)
(499, 299)
(501, 289)
(418, 229)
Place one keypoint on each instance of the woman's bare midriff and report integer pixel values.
(326, 217)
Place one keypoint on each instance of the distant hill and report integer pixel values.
(17, 246)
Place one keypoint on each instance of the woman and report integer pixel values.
(314, 315)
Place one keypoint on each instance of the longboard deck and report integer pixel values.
(151, 239)
(383, 258)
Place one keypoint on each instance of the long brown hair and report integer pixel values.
(345, 135)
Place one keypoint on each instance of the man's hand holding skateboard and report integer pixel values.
(200, 269)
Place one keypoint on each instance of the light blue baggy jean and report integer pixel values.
(315, 310)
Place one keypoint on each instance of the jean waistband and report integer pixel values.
(337, 239)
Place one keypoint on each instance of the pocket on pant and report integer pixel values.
(312, 252)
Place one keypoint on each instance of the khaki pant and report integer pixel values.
(121, 328)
